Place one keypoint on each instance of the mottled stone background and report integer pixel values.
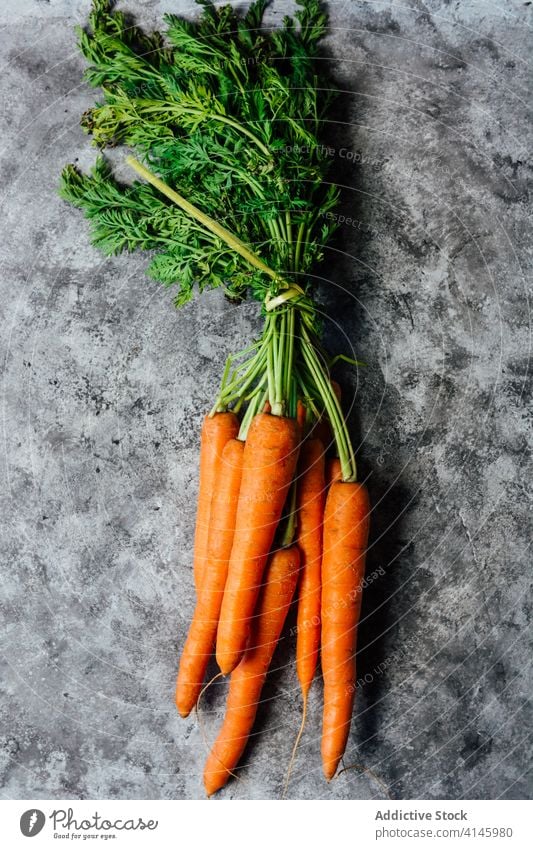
(104, 386)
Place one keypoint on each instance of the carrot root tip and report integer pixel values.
(329, 771)
(182, 707)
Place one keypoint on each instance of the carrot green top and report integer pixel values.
(226, 119)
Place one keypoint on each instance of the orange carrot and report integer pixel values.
(310, 500)
(202, 633)
(333, 470)
(248, 677)
(346, 521)
(216, 431)
(270, 457)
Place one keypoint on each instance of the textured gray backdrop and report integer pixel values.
(104, 386)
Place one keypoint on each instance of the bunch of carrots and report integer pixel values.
(274, 520)
(226, 119)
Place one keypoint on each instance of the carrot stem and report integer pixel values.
(256, 404)
(209, 223)
(290, 521)
(332, 406)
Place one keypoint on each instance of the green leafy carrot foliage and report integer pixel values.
(228, 113)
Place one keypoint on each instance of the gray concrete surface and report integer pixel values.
(104, 386)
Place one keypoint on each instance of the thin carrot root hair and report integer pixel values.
(295, 747)
(198, 711)
(368, 771)
(201, 725)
